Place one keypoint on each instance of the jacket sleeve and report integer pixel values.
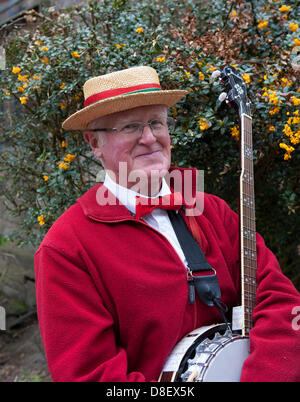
(274, 338)
(76, 328)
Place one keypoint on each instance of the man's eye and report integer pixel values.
(130, 128)
(157, 123)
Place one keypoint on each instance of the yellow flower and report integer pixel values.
(284, 146)
(37, 42)
(203, 124)
(293, 27)
(69, 158)
(284, 8)
(272, 96)
(62, 106)
(16, 70)
(41, 220)
(286, 82)
(211, 68)
(117, 45)
(201, 76)
(21, 89)
(235, 132)
(293, 120)
(297, 42)
(263, 24)
(45, 60)
(23, 100)
(271, 128)
(296, 138)
(287, 130)
(23, 77)
(62, 85)
(7, 93)
(274, 110)
(246, 77)
(161, 59)
(46, 178)
(139, 30)
(64, 144)
(288, 149)
(63, 165)
(44, 48)
(296, 101)
(75, 54)
(234, 13)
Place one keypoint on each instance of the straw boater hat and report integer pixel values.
(118, 91)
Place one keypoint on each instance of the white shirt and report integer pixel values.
(158, 218)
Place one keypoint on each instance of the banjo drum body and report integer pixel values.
(207, 354)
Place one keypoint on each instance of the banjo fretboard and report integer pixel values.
(247, 225)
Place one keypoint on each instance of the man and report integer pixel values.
(112, 290)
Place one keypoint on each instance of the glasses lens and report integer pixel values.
(132, 128)
(171, 124)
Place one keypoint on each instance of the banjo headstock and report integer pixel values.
(235, 90)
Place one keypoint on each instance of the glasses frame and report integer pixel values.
(170, 121)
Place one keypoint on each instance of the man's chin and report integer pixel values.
(143, 178)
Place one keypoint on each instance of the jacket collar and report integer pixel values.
(100, 204)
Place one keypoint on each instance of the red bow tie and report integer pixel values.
(144, 206)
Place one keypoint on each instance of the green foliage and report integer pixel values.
(4, 239)
(184, 42)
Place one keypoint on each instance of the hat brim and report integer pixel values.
(81, 119)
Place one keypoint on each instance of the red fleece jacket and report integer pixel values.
(112, 295)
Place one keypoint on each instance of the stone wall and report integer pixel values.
(17, 287)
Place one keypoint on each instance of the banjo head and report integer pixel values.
(215, 354)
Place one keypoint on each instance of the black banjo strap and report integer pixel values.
(206, 286)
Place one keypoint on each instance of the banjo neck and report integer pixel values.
(247, 226)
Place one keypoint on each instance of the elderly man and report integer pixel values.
(112, 291)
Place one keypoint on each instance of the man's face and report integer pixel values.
(147, 153)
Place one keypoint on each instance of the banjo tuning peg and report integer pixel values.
(222, 96)
(215, 74)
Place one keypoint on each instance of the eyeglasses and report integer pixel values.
(158, 127)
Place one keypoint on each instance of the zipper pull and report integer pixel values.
(191, 290)
(191, 284)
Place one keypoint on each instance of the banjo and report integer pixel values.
(216, 353)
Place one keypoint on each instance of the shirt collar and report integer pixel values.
(126, 196)
(117, 212)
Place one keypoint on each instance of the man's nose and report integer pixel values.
(147, 135)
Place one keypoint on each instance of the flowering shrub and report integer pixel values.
(44, 168)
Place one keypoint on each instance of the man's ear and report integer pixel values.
(92, 139)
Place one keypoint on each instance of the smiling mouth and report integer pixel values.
(146, 154)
